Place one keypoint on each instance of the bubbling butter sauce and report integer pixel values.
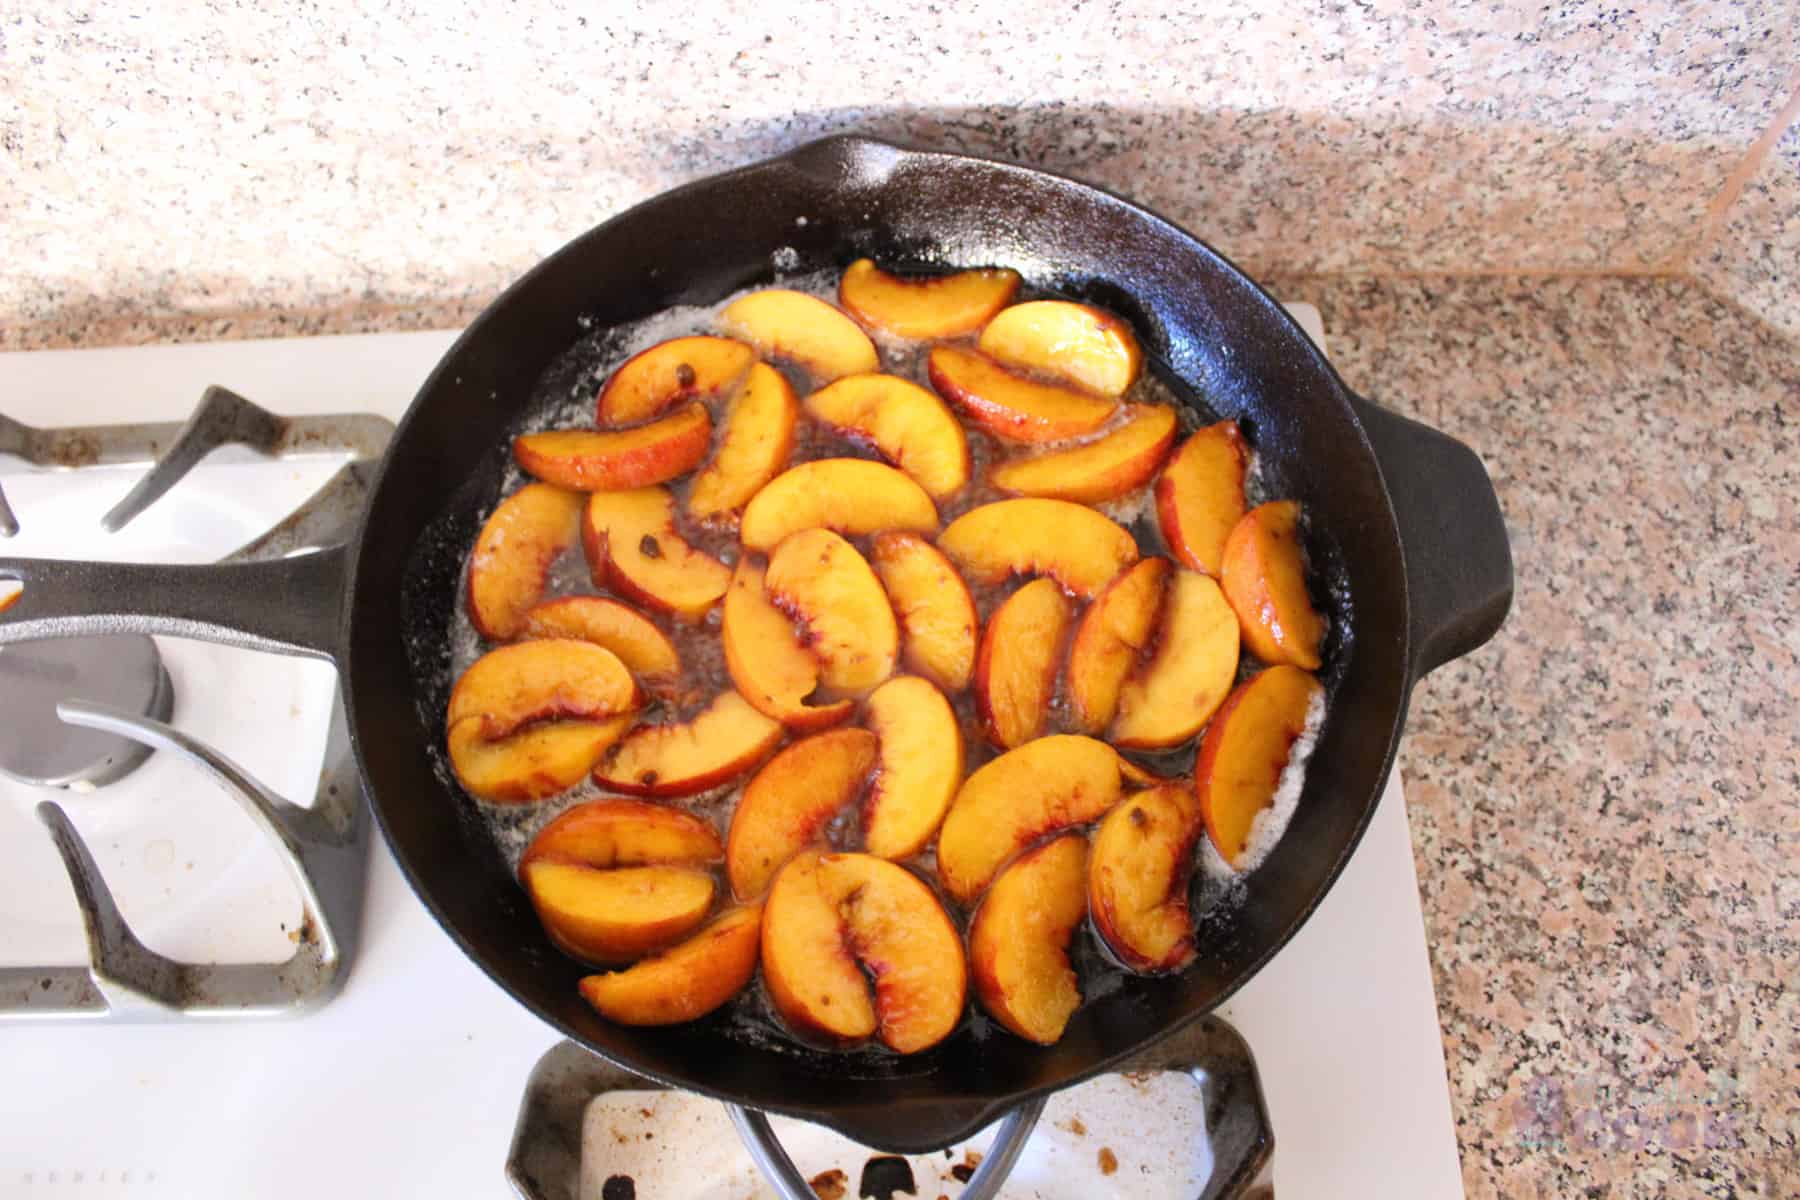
(564, 398)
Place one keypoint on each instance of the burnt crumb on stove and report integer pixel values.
(829, 1185)
(884, 1175)
(966, 1168)
(645, 1112)
(619, 1187)
(1109, 1162)
(1075, 1127)
(649, 547)
(948, 1153)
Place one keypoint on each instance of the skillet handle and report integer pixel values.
(767, 1152)
(1459, 570)
(283, 605)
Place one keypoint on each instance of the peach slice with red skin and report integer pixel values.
(908, 425)
(536, 762)
(1264, 577)
(1116, 628)
(1011, 406)
(851, 496)
(512, 557)
(1200, 496)
(1169, 698)
(604, 834)
(819, 579)
(803, 330)
(1078, 343)
(1043, 787)
(1246, 750)
(768, 665)
(686, 981)
(619, 915)
(1019, 940)
(1105, 469)
(918, 770)
(1015, 669)
(644, 649)
(759, 436)
(618, 460)
(653, 381)
(788, 803)
(1143, 854)
(932, 604)
(633, 548)
(722, 742)
(833, 923)
(925, 306)
(1073, 544)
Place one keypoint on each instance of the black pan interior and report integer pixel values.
(827, 204)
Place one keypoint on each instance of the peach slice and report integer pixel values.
(686, 981)
(933, 606)
(1086, 346)
(633, 548)
(1103, 470)
(621, 459)
(653, 381)
(1245, 752)
(529, 682)
(1072, 544)
(616, 916)
(1264, 576)
(1138, 875)
(512, 556)
(724, 741)
(1010, 406)
(1041, 788)
(604, 834)
(1019, 940)
(536, 762)
(920, 765)
(1200, 496)
(803, 330)
(759, 436)
(1168, 699)
(851, 495)
(925, 306)
(1015, 670)
(819, 579)
(769, 666)
(909, 426)
(833, 923)
(628, 633)
(1114, 631)
(786, 805)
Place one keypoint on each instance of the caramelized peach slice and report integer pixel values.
(819, 579)
(604, 834)
(621, 459)
(1170, 697)
(759, 436)
(616, 916)
(933, 605)
(633, 548)
(724, 741)
(1264, 576)
(909, 426)
(803, 330)
(1011, 406)
(628, 633)
(1138, 878)
(1103, 470)
(850, 495)
(1200, 496)
(787, 805)
(512, 556)
(925, 306)
(522, 684)
(1086, 346)
(534, 763)
(1041, 788)
(688, 368)
(1015, 670)
(686, 981)
(832, 923)
(1072, 544)
(1114, 631)
(1246, 750)
(1019, 941)
(769, 666)
(920, 765)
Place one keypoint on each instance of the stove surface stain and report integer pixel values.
(885, 1175)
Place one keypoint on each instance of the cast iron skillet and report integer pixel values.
(1411, 511)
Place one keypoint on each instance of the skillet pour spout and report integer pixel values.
(1408, 513)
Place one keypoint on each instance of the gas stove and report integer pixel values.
(406, 1072)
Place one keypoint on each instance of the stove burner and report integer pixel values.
(36, 747)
